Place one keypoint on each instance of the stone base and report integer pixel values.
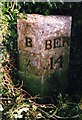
(45, 85)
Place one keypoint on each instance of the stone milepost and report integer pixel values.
(44, 43)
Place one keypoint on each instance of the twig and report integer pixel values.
(5, 98)
(27, 92)
(46, 105)
(18, 85)
(47, 115)
(12, 65)
(58, 117)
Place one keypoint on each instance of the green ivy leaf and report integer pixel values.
(8, 17)
(23, 16)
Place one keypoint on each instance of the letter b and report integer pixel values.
(48, 44)
(28, 42)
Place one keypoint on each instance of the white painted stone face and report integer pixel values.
(43, 43)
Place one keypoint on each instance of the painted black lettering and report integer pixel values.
(58, 42)
(51, 63)
(48, 44)
(28, 42)
(59, 60)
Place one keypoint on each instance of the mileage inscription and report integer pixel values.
(49, 44)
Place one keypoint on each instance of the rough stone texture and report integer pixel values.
(41, 28)
(40, 61)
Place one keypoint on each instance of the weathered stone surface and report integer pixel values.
(43, 43)
(41, 28)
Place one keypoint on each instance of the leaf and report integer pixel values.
(80, 116)
(8, 17)
(16, 11)
(1, 108)
(23, 16)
